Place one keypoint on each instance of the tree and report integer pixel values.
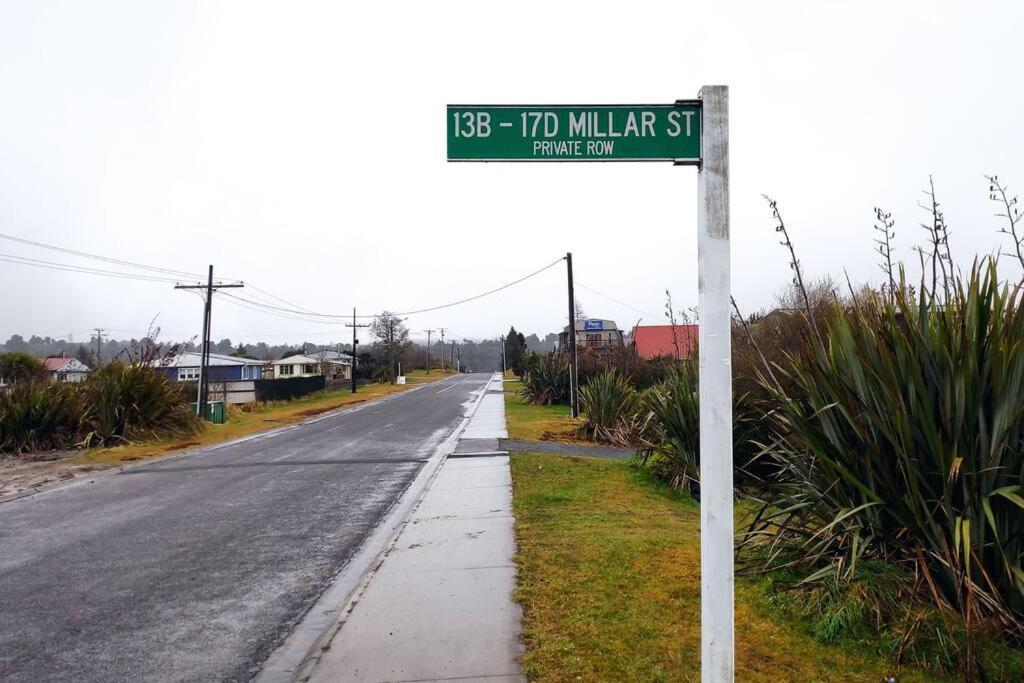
(83, 355)
(580, 313)
(17, 366)
(16, 343)
(240, 351)
(515, 351)
(392, 335)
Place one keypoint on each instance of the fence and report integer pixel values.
(247, 391)
(231, 392)
(285, 389)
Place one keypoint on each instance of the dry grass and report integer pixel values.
(609, 579)
(242, 424)
(536, 423)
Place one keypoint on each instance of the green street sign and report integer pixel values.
(575, 132)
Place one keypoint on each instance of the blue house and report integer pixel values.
(184, 367)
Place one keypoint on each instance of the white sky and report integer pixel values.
(301, 147)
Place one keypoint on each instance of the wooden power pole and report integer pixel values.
(203, 392)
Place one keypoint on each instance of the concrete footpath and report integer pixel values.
(439, 607)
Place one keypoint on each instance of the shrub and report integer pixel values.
(125, 402)
(901, 438)
(39, 416)
(17, 367)
(546, 380)
(611, 410)
(672, 439)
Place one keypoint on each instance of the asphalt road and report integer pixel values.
(198, 567)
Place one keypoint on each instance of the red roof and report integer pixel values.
(656, 340)
(55, 363)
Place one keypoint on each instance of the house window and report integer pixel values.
(287, 369)
(188, 374)
(309, 369)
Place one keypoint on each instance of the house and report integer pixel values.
(329, 354)
(658, 341)
(184, 367)
(312, 365)
(66, 369)
(593, 333)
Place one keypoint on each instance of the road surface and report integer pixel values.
(197, 568)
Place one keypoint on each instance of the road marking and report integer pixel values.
(451, 387)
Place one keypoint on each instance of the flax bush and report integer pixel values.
(119, 402)
(900, 438)
(611, 410)
(546, 380)
(37, 416)
(125, 402)
(672, 439)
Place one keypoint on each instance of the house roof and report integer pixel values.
(56, 363)
(657, 340)
(191, 359)
(329, 354)
(293, 360)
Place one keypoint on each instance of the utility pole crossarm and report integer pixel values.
(203, 389)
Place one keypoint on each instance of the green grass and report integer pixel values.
(536, 423)
(609, 581)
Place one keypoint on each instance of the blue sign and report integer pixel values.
(593, 325)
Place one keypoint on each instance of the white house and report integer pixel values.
(312, 365)
(66, 369)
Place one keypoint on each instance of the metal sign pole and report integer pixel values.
(715, 381)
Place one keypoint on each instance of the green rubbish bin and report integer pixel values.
(216, 412)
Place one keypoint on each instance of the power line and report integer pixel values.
(85, 270)
(487, 293)
(287, 314)
(295, 313)
(107, 259)
(277, 298)
(422, 310)
(616, 301)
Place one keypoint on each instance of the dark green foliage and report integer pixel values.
(125, 402)
(642, 373)
(879, 609)
(546, 380)
(672, 439)
(901, 440)
(119, 402)
(18, 366)
(515, 351)
(670, 446)
(611, 410)
(37, 416)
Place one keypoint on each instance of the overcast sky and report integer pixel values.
(301, 147)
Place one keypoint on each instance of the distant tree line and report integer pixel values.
(474, 356)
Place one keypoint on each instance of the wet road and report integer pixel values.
(197, 568)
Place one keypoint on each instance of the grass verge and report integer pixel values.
(609, 581)
(242, 424)
(536, 423)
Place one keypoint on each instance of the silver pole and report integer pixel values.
(716, 513)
